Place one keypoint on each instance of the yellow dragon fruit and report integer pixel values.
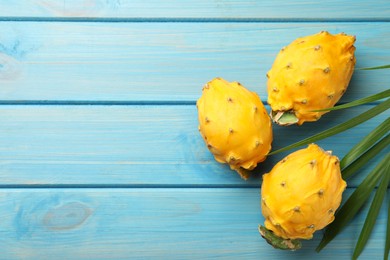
(311, 73)
(234, 124)
(299, 196)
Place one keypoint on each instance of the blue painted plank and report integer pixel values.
(162, 61)
(197, 9)
(154, 223)
(135, 146)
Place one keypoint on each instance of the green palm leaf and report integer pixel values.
(372, 214)
(348, 171)
(375, 68)
(387, 246)
(354, 202)
(383, 106)
(365, 143)
(358, 102)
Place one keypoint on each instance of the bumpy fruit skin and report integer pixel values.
(234, 124)
(311, 73)
(301, 193)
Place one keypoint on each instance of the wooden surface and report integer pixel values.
(100, 156)
(161, 61)
(202, 9)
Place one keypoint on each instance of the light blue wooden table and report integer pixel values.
(100, 155)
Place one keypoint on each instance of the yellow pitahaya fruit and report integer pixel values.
(300, 195)
(234, 124)
(311, 73)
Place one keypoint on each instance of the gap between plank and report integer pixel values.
(136, 186)
(96, 103)
(191, 20)
(116, 103)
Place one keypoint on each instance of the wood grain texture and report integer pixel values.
(135, 145)
(162, 61)
(196, 9)
(154, 224)
(100, 156)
